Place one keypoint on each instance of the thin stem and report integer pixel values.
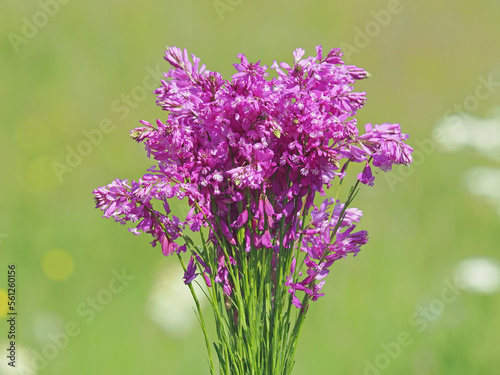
(202, 320)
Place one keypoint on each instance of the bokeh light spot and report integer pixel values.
(57, 264)
(3, 303)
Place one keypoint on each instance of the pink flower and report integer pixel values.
(248, 155)
(366, 176)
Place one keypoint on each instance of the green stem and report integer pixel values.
(202, 320)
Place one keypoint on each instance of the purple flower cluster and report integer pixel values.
(321, 251)
(249, 154)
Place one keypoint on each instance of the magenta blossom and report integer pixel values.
(249, 155)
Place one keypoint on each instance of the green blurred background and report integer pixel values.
(66, 68)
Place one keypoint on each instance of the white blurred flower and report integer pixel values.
(23, 360)
(170, 303)
(479, 275)
(463, 130)
(485, 182)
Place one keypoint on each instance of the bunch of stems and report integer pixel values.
(256, 325)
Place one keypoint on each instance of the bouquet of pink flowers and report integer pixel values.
(249, 155)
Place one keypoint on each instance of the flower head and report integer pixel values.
(249, 155)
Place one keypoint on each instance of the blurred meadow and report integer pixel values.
(421, 298)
